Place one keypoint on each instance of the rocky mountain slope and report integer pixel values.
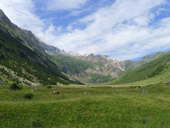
(52, 50)
(23, 58)
(27, 37)
(97, 68)
(87, 69)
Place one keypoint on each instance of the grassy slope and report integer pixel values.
(71, 65)
(130, 65)
(86, 107)
(27, 63)
(153, 72)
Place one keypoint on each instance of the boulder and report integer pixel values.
(1, 82)
(168, 82)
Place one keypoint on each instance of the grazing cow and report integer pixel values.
(55, 93)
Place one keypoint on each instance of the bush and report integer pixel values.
(37, 124)
(14, 86)
(49, 86)
(28, 96)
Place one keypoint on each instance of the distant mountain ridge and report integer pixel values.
(97, 68)
(130, 65)
(155, 71)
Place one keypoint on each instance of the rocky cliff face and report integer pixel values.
(52, 50)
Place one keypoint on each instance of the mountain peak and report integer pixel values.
(4, 19)
(1, 12)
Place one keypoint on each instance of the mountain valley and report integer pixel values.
(44, 86)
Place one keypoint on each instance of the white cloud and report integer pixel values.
(65, 4)
(59, 29)
(142, 21)
(121, 30)
(69, 28)
(20, 12)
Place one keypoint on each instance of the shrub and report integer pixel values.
(28, 96)
(37, 124)
(14, 86)
(49, 86)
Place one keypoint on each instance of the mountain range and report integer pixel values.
(97, 68)
(27, 60)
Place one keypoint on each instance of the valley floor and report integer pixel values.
(86, 107)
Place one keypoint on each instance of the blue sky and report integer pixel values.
(122, 29)
(64, 17)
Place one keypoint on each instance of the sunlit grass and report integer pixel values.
(92, 106)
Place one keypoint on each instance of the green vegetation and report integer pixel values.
(14, 86)
(33, 66)
(153, 72)
(98, 78)
(49, 86)
(93, 107)
(130, 65)
(28, 96)
(77, 67)
(23, 58)
(23, 61)
(71, 65)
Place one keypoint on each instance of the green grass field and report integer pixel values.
(86, 107)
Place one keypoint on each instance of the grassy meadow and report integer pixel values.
(86, 107)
